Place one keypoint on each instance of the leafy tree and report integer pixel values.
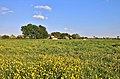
(20, 37)
(42, 32)
(75, 36)
(56, 34)
(5, 37)
(65, 35)
(118, 37)
(34, 32)
(83, 37)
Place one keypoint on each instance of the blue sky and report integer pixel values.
(86, 17)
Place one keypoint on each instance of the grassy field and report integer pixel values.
(60, 59)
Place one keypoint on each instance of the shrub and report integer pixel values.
(5, 37)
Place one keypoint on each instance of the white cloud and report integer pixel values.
(5, 10)
(10, 11)
(38, 14)
(40, 17)
(43, 7)
(67, 29)
(3, 13)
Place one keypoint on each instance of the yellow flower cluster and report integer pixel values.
(59, 59)
(40, 67)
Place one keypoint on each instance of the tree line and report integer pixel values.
(31, 31)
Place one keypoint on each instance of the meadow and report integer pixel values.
(59, 59)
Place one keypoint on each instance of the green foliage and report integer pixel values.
(60, 35)
(83, 37)
(75, 36)
(20, 37)
(34, 32)
(56, 34)
(5, 37)
(118, 37)
(65, 35)
(61, 59)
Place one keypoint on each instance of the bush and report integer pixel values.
(5, 37)
(75, 36)
(20, 37)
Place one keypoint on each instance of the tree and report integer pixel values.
(65, 35)
(56, 34)
(118, 37)
(83, 37)
(42, 32)
(34, 32)
(75, 36)
(5, 37)
(20, 37)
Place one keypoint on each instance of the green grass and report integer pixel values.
(55, 59)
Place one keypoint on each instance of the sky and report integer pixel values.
(89, 18)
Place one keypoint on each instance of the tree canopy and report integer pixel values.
(75, 36)
(34, 32)
(56, 34)
(65, 35)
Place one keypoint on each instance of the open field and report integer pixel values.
(60, 59)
